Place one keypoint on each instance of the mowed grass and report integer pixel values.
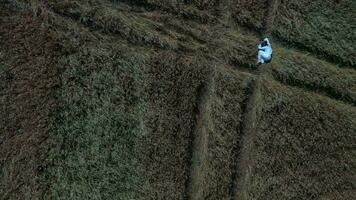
(305, 71)
(305, 147)
(96, 126)
(327, 28)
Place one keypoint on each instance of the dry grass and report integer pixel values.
(114, 21)
(128, 80)
(235, 49)
(305, 147)
(326, 28)
(224, 136)
(218, 135)
(28, 76)
(308, 72)
(250, 13)
(97, 122)
(172, 93)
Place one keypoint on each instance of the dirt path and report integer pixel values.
(200, 140)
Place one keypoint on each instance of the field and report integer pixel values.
(302, 70)
(151, 99)
(324, 28)
(300, 152)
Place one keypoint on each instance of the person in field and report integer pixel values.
(264, 52)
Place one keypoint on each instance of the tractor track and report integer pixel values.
(272, 6)
(330, 93)
(248, 130)
(199, 140)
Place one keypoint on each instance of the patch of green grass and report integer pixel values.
(304, 148)
(327, 28)
(97, 125)
(306, 71)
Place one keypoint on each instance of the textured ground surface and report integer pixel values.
(152, 99)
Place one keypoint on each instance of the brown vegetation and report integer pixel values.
(151, 99)
(28, 76)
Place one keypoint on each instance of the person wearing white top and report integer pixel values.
(264, 52)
